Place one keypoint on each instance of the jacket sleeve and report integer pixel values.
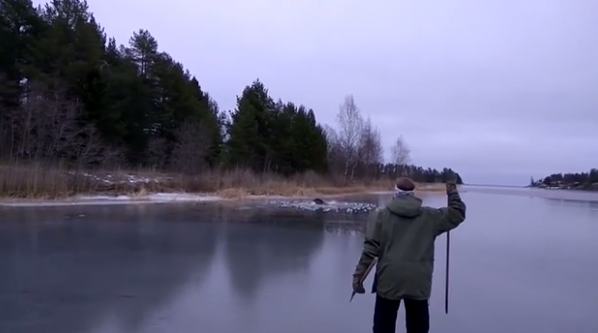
(371, 245)
(450, 217)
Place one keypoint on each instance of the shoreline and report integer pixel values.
(585, 188)
(107, 199)
(161, 198)
(35, 185)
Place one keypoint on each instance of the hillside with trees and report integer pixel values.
(569, 181)
(70, 96)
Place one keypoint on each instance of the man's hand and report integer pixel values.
(450, 187)
(451, 183)
(358, 286)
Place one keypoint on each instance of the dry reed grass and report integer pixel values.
(36, 181)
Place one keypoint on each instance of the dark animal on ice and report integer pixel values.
(319, 201)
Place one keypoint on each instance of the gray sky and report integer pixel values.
(500, 90)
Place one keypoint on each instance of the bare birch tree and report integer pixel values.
(370, 148)
(331, 140)
(401, 154)
(191, 148)
(350, 128)
(157, 151)
(335, 157)
(47, 127)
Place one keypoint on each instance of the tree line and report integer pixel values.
(70, 94)
(581, 180)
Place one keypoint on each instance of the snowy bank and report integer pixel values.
(116, 200)
(304, 204)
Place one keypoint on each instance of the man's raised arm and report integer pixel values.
(453, 214)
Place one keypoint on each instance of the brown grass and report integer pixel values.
(38, 182)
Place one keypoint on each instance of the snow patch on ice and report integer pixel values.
(109, 179)
(331, 206)
(168, 197)
(118, 199)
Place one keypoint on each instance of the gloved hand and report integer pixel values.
(450, 186)
(451, 183)
(358, 286)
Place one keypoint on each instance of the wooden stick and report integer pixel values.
(446, 285)
(365, 275)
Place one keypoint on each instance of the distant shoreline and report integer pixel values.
(496, 185)
(570, 187)
(36, 185)
(178, 197)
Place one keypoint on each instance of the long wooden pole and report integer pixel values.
(446, 285)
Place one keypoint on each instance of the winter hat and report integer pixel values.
(404, 186)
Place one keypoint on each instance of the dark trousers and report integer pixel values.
(417, 315)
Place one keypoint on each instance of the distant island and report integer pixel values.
(587, 181)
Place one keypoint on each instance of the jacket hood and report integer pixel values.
(405, 206)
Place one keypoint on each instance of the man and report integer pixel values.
(401, 235)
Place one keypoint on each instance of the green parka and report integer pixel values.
(401, 235)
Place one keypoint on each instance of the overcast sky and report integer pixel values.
(500, 90)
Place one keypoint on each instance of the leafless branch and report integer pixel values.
(401, 154)
(350, 132)
(370, 147)
(191, 148)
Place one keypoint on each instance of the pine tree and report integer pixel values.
(71, 94)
